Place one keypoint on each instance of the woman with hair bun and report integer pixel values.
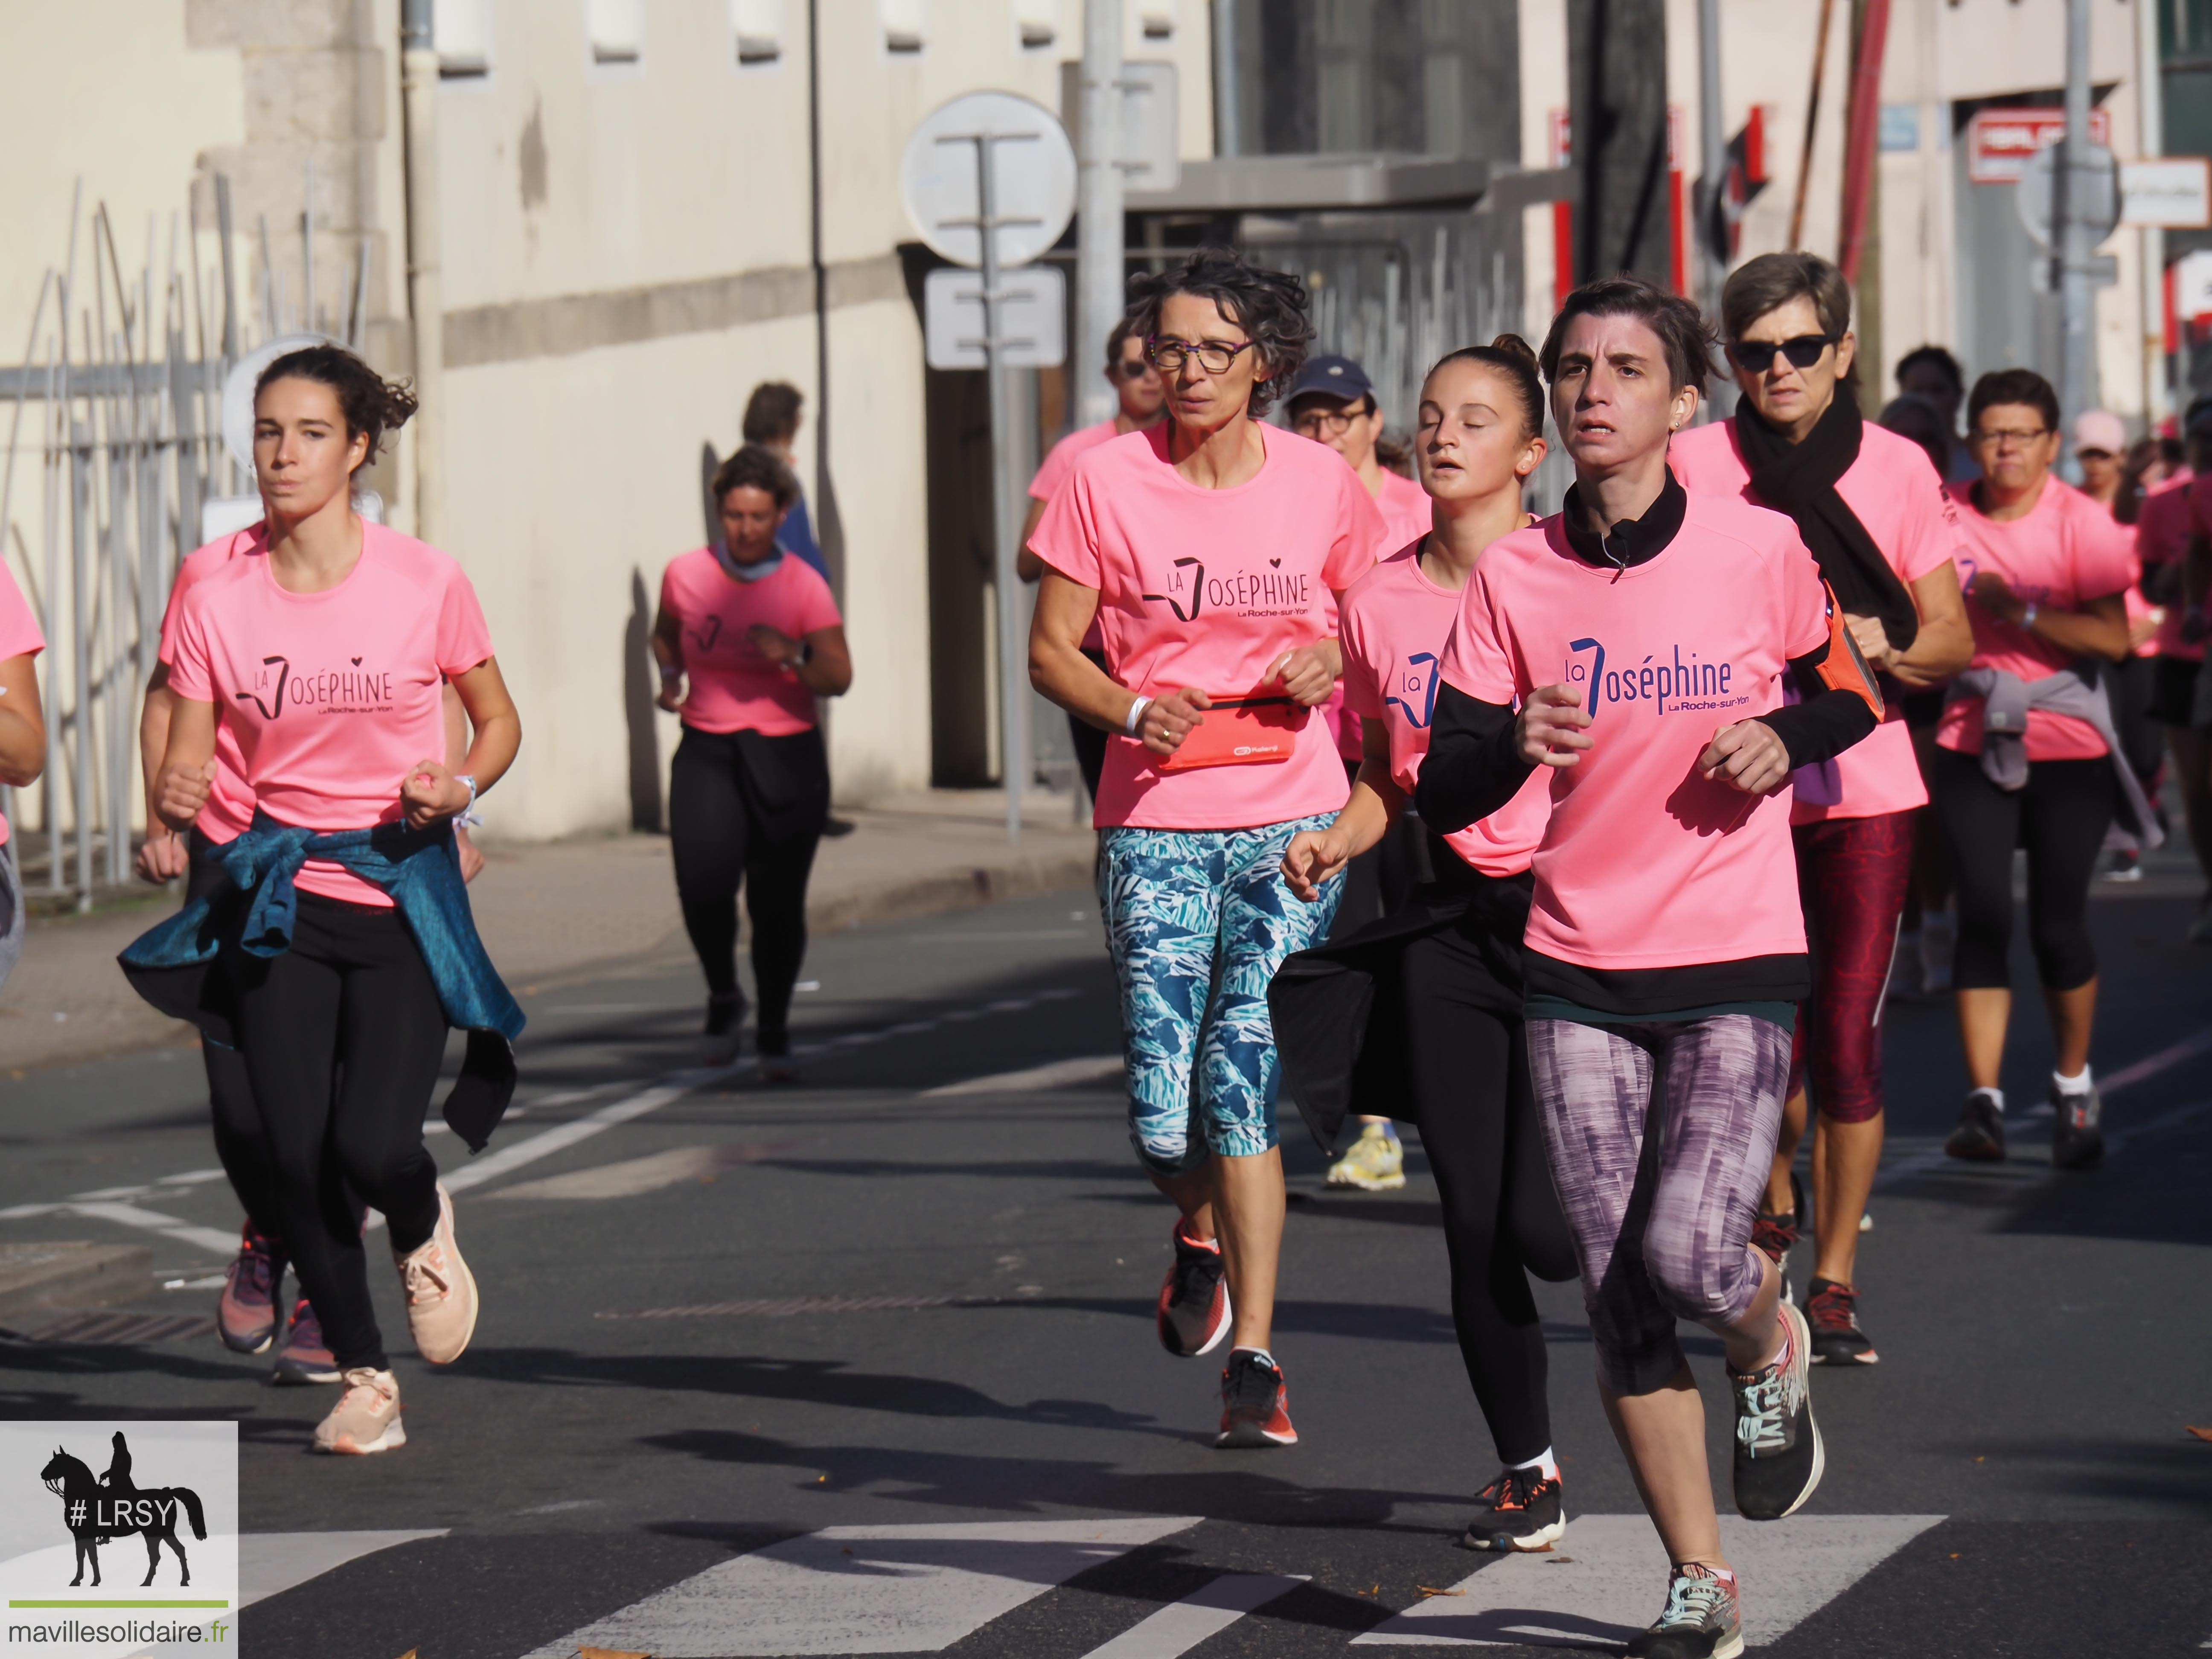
(1442, 1043)
(338, 948)
(1208, 548)
(758, 634)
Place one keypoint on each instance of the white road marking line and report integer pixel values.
(1059, 1074)
(1177, 1628)
(130, 1215)
(2151, 1065)
(865, 1589)
(271, 1562)
(1015, 936)
(561, 1137)
(635, 1177)
(1605, 1581)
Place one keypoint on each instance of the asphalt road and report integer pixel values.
(678, 1382)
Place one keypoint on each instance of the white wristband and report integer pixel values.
(1134, 720)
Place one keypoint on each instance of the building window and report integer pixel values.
(906, 24)
(1038, 21)
(757, 27)
(461, 32)
(616, 31)
(1158, 19)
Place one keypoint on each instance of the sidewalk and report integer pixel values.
(550, 912)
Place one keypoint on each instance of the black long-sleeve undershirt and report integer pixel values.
(1474, 767)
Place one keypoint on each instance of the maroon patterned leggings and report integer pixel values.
(1851, 877)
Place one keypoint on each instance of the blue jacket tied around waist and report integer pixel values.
(177, 968)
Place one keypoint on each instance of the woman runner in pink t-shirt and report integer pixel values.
(1646, 634)
(759, 635)
(328, 657)
(1445, 966)
(1873, 512)
(2047, 572)
(1208, 551)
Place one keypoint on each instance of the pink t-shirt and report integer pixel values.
(2066, 551)
(229, 810)
(1643, 864)
(334, 695)
(734, 688)
(1395, 623)
(1061, 461)
(1204, 589)
(1407, 516)
(2162, 533)
(1893, 490)
(19, 636)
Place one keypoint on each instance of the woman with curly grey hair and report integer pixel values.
(1210, 549)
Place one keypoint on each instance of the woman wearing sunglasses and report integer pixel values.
(1872, 510)
(2048, 572)
(1210, 550)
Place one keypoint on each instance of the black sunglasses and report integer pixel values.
(1756, 356)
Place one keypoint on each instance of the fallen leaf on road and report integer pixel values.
(2201, 1434)
(1429, 1589)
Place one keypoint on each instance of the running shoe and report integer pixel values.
(1194, 1313)
(305, 1357)
(2077, 1141)
(1374, 1163)
(1833, 1311)
(1778, 1458)
(1979, 1138)
(248, 1315)
(718, 1043)
(1255, 1405)
(441, 1292)
(2127, 864)
(775, 1062)
(1521, 1510)
(1701, 1620)
(366, 1420)
(1776, 1234)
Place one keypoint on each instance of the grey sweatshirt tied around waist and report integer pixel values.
(2005, 700)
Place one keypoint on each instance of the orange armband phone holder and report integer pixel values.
(1845, 668)
(1255, 731)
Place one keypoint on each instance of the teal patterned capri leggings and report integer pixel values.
(1198, 921)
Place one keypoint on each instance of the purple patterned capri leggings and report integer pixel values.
(1660, 1184)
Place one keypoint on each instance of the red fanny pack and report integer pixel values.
(1239, 731)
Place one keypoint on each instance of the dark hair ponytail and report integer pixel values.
(1514, 358)
(372, 406)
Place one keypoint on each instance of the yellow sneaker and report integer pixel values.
(366, 1419)
(1374, 1161)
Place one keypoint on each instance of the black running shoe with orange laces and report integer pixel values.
(1521, 1511)
(1979, 1137)
(1255, 1405)
(1194, 1313)
(1776, 1234)
(1833, 1311)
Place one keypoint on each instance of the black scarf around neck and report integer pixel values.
(1799, 479)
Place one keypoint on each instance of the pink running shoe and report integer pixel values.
(248, 1315)
(366, 1419)
(441, 1292)
(305, 1358)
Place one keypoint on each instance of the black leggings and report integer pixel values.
(1467, 1067)
(2060, 816)
(242, 1145)
(740, 805)
(342, 1037)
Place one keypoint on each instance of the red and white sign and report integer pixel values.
(1999, 141)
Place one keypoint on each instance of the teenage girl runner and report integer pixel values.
(1143, 397)
(1873, 511)
(23, 746)
(248, 1316)
(325, 657)
(1208, 549)
(760, 639)
(1332, 403)
(1645, 635)
(2048, 572)
(1451, 998)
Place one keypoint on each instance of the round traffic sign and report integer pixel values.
(1032, 177)
(238, 392)
(2098, 178)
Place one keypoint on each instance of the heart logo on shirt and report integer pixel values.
(1276, 563)
(356, 662)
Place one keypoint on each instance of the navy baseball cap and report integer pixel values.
(1335, 377)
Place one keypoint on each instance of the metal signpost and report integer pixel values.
(989, 181)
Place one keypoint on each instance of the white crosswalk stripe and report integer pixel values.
(1607, 1579)
(271, 1562)
(1177, 1628)
(865, 1589)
